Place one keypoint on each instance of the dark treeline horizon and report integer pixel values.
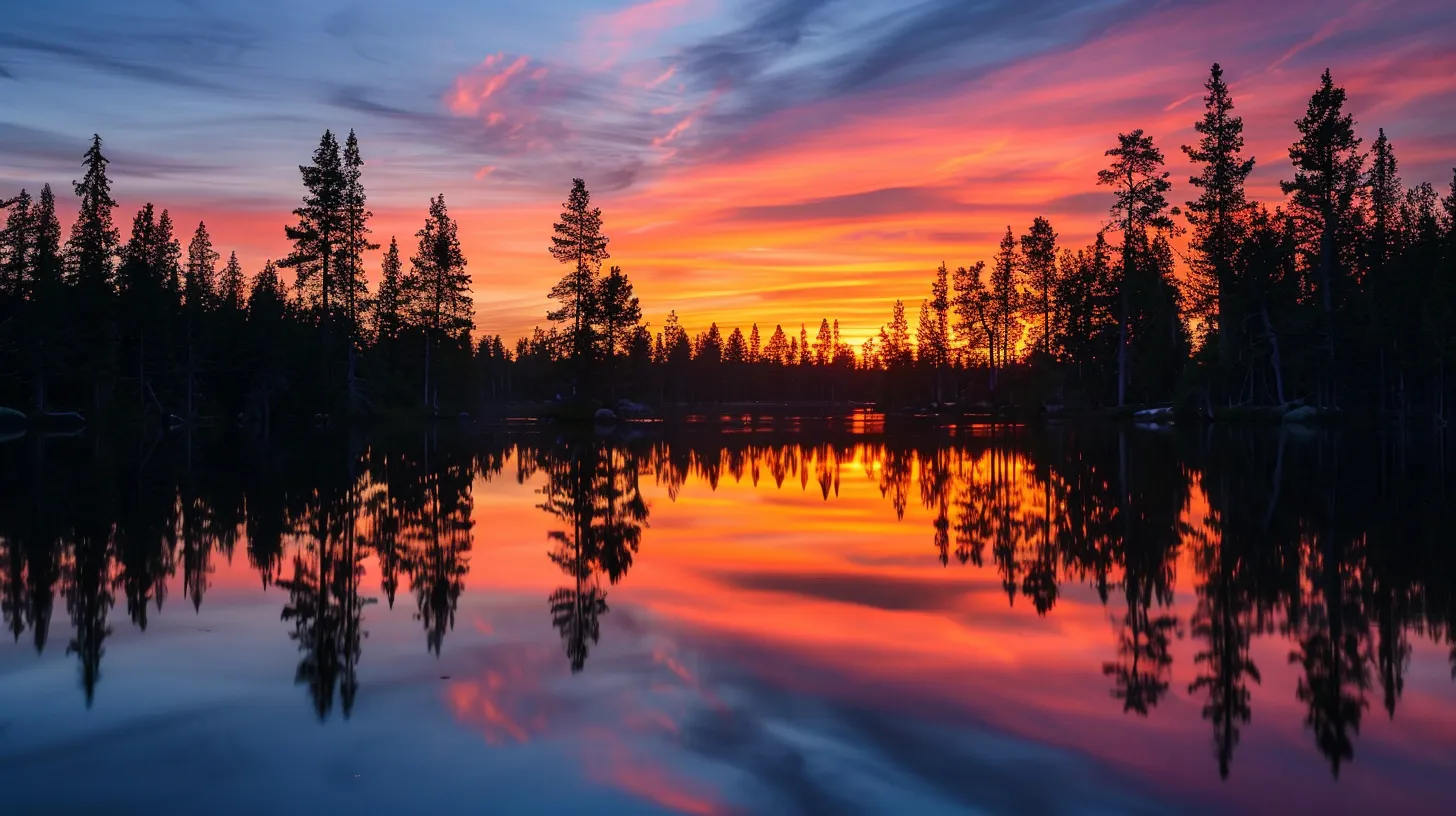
(1343, 295)
(1289, 542)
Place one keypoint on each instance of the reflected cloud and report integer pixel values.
(785, 605)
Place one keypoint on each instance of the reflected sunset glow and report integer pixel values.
(709, 623)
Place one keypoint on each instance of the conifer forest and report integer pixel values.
(1340, 297)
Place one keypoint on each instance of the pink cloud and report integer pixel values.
(629, 30)
(472, 90)
(665, 76)
(677, 130)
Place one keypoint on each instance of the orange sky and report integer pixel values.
(780, 163)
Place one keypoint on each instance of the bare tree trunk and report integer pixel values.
(427, 369)
(190, 372)
(1274, 353)
(353, 380)
(1326, 270)
(1122, 344)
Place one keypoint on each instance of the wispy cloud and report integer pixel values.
(765, 161)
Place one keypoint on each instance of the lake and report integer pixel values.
(815, 617)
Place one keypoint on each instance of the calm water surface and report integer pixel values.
(829, 621)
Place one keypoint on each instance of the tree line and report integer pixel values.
(1340, 296)
(144, 329)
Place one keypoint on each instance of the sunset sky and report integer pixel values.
(770, 161)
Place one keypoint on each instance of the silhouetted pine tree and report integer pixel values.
(736, 349)
(1039, 256)
(168, 260)
(42, 323)
(1381, 255)
(1006, 299)
(145, 306)
(1087, 332)
(577, 241)
(1327, 173)
(1140, 184)
(91, 267)
(266, 348)
(439, 291)
(1265, 268)
(619, 311)
(974, 325)
(1219, 213)
(17, 251)
(389, 302)
(200, 293)
(320, 230)
(231, 296)
(354, 239)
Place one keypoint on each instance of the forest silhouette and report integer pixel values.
(1294, 544)
(1341, 296)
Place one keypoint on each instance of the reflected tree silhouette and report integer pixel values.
(593, 489)
(324, 604)
(1284, 542)
(1153, 491)
(12, 586)
(896, 468)
(1040, 583)
(1330, 626)
(1221, 622)
(439, 544)
(87, 581)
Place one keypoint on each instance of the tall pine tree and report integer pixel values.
(619, 311)
(91, 251)
(1220, 211)
(319, 234)
(354, 239)
(390, 300)
(47, 305)
(230, 295)
(439, 290)
(1039, 256)
(91, 266)
(1140, 185)
(1327, 173)
(577, 241)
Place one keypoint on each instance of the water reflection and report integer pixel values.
(593, 492)
(1338, 546)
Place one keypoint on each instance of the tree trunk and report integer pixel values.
(1326, 270)
(353, 381)
(1122, 346)
(1274, 353)
(427, 369)
(190, 370)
